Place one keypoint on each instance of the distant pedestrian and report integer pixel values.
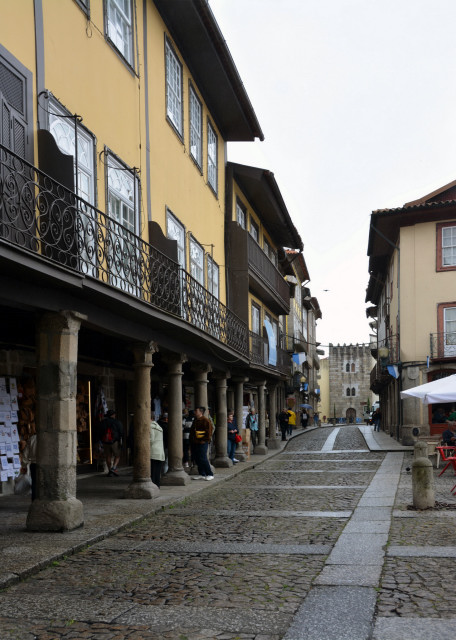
(157, 450)
(233, 431)
(187, 420)
(251, 422)
(376, 419)
(111, 431)
(291, 421)
(316, 419)
(29, 458)
(283, 423)
(200, 437)
(304, 419)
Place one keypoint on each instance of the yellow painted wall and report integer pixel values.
(422, 289)
(323, 383)
(86, 74)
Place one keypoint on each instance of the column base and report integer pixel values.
(273, 444)
(260, 450)
(143, 489)
(178, 478)
(240, 455)
(223, 462)
(55, 515)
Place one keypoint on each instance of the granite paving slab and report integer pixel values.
(414, 551)
(355, 575)
(334, 613)
(408, 629)
(359, 548)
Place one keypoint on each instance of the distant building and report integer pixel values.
(349, 381)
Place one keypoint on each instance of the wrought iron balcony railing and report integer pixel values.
(41, 216)
(443, 345)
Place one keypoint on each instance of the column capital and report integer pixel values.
(143, 352)
(200, 368)
(63, 319)
(174, 361)
(239, 379)
(220, 375)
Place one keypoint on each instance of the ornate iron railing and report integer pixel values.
(39, 215)
(443, 345)
(257, 348)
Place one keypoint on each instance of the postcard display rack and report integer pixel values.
(10, 463)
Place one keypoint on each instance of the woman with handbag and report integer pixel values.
(200, 437)
(233, 431)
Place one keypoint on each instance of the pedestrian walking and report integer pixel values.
(304, 419)
(111, 431)
(233, 431)
(376, 419)
(251, 422)
(291, 421)
(186, 426)
(200, 437)
(283, 422)
(157, 450)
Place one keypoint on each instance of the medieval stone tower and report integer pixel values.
(349, 380)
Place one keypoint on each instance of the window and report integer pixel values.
(241, 214)
(347, 367)
(196, 114)
(212, 165)
(353, 391)
(176, 231)
(197, 261)
(347, 391)
(119, 27)
(269, 252)
(85, 6)
(123, 206)
(213, 277)
(254, 230)
(447, 329)
(66, 130)
(173, 88)
(15, 106)
(255, 318)
(446, 246)
(353, 367)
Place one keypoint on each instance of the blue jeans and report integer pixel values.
(204, 468)
(231, 449)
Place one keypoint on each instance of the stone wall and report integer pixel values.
(359, 361)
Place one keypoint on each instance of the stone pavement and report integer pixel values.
(314, 542)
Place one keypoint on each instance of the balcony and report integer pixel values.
(443, 346)
(259, 354)
(388, 354)
(44, 219)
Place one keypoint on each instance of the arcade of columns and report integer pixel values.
(56, 507)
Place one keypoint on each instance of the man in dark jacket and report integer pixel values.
(111, 431)
(283, 422)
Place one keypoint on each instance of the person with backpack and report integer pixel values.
(111, 436)
(251, 422)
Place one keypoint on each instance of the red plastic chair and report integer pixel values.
(448, 455)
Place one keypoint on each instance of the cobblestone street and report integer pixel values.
(238, 559)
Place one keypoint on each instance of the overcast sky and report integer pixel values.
(357, 102)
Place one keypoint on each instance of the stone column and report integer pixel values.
(221, 430)
(56, 507)
(142, 487)
(175, 475)
(200, 383)
(261, 448)
(272, 440)
(238, 404)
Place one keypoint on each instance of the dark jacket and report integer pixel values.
(232, 430)
(283, 419)
(115, 426)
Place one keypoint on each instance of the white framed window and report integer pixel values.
(212, 165)
(196, 127)
(122, 194)
(213, 277)
(173, 88)
(241, 214)
(448, 246)
(255, 318)
(196, 261)
(119, 27)
(176, 231)
(254, 230)
(65, 131)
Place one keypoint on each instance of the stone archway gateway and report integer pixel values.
(350, 415)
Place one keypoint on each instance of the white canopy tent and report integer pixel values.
(442, 390)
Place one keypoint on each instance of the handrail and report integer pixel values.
(41, 216)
